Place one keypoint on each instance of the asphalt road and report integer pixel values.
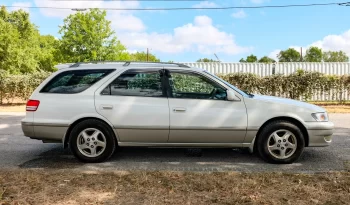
(17, 151)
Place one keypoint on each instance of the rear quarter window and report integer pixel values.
(75, 81)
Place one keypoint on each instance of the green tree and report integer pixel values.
(206, 60)
(242, 60)
(313, 54)
(22, 49)
(289, 55)
(19, 47)
(50, 52)
(142, 56)
(266, 59)
(335, 56)
(250, 59)
(87, 36)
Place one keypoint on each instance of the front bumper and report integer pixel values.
(320, 133)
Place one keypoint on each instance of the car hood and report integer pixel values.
(289, 102)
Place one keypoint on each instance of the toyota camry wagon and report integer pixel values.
(93, 108)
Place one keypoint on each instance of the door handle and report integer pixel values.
(179, 109)
(107, 107)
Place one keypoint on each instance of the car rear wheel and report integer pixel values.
(92, 141)
(280, 142)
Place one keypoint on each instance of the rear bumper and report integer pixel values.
(320, 133)
(45, 132)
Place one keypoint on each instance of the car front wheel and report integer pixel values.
(280, 142)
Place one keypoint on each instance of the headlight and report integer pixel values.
(320, 117)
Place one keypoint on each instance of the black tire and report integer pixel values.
(110, 139)
(269, 129)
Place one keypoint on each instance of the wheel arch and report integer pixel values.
(289, 119)
(72, 125)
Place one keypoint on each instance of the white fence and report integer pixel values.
(263, 69)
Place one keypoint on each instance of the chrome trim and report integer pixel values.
(141, 144)
(182, 128)
(209, 128)
(44, 124)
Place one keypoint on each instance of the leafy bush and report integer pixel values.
(19, 86)
(301, 85)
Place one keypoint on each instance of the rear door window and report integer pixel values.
(144, 83)
(75, 81)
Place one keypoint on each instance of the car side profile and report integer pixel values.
(92, 108)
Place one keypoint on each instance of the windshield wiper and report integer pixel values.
(250, 95)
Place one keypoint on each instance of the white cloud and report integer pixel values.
(205, 4)
(239, 14)
(328, 43)
(21, 4)
(274, 54)
(121, 20)
(200, 36)
(125, 21)
(335, 42)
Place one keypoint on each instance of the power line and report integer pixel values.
(123, 0)
(190, 8)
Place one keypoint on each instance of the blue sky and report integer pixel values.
(185, 36)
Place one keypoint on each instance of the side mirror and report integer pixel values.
(231, 96)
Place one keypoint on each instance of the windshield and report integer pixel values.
(228, 84)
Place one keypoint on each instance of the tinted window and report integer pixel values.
(194, 86)
(74, 81)
(146, 84)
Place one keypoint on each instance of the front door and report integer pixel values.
(137, 105)
(200, 112)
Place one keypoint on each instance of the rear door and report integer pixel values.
(136, 104)
(201, 113)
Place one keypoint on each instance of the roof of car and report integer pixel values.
(97, 64)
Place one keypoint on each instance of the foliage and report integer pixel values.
(250, 59)
(20, 44)
(190, 83)
(206, 60)
(142, 56)
(289, 55)
(335, 56)
(313, 54)
(87, 36)
(300, 85)
(19, 86)
(266, 59)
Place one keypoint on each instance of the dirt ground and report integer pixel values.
(67, 187)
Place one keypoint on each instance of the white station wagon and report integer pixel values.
(95, 107)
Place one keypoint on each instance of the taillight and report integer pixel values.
(32, 105)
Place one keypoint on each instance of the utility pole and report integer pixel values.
(301, 54)
(147, 54)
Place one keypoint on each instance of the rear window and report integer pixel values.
(75, 81)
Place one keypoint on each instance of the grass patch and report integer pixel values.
(70, 187)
